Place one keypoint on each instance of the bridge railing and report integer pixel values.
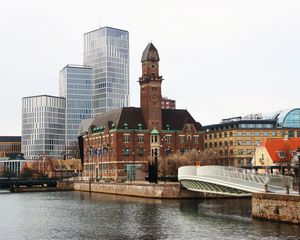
(237, 176)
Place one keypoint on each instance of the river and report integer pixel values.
(79, 215)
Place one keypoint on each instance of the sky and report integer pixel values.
(218, 58)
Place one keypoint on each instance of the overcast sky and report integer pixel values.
(219, 58)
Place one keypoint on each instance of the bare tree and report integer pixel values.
(169, 165)
(73, 150)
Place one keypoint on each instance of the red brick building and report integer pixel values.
(167, 103)
(129, 137)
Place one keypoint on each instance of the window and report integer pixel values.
(291, 134)
(215, 135)
(248, 161)
(240, 151)
(196, 139)
(273, 134)
(168, 138)
(230, 134)
(141, 152)
(220, 135)
(231, 143)
(225, 143)
(126, 152)
(225, 134)
(205, 136)
(281, 154)
(248, 134)
(240, 134)
(240, 162)
(181, 139)
(240, 142)
(266, 134)
(215, 144)
(140, 138)
(256, 134)
(154, 138)
(248, 142)
(220, 144)
(257, 142)
(126, 138)
(205, 145)
(231, 152)
(210, 144)
(210, 136)
(248, 151)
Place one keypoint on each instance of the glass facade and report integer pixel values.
(43, 126)
(75, 84)
(292, 119)
(106, 50)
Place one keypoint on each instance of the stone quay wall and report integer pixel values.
(161, 190)
(282, 208)
(65, 186)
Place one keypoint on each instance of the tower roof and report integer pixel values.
(150, 53)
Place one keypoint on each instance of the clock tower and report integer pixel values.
(150, 88)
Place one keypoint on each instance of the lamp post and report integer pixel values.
(298, 155)
(163, 139)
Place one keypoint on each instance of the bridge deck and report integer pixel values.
(232, 181)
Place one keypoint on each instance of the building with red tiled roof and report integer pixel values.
(277, 152)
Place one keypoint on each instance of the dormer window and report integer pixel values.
(281, 154)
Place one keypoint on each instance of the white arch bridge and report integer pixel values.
(231, 181)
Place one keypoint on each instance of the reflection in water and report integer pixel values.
(76, 215)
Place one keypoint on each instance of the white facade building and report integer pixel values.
(43, 126)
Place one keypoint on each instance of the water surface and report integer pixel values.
(77, 215)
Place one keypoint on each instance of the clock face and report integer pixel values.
(154, 98)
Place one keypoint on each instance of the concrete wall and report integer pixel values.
(169, 190)
(283, 208)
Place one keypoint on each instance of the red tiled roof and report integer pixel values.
(276, 145)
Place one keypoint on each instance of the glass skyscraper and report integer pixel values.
(106, 50)
(43, 126)
(75, 85)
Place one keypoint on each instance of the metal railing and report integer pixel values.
(236, 178)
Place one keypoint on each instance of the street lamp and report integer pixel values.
(163, 139)
(298, 155)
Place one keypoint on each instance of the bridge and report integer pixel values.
(231, 181)
(6, 183)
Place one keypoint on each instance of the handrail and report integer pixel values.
(236, 176)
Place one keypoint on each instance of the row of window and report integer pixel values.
(225, 143)
(290, 133)
(239, 152)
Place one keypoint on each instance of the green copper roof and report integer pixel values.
(154, 132)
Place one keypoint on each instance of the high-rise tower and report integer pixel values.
(75, 84)
(106, 50)
(150, 88)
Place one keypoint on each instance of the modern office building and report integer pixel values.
(106, 50)
(167, 103)
(9, 145)
(236, 139)
(116, 142)
(43, 126)
(75, 85)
